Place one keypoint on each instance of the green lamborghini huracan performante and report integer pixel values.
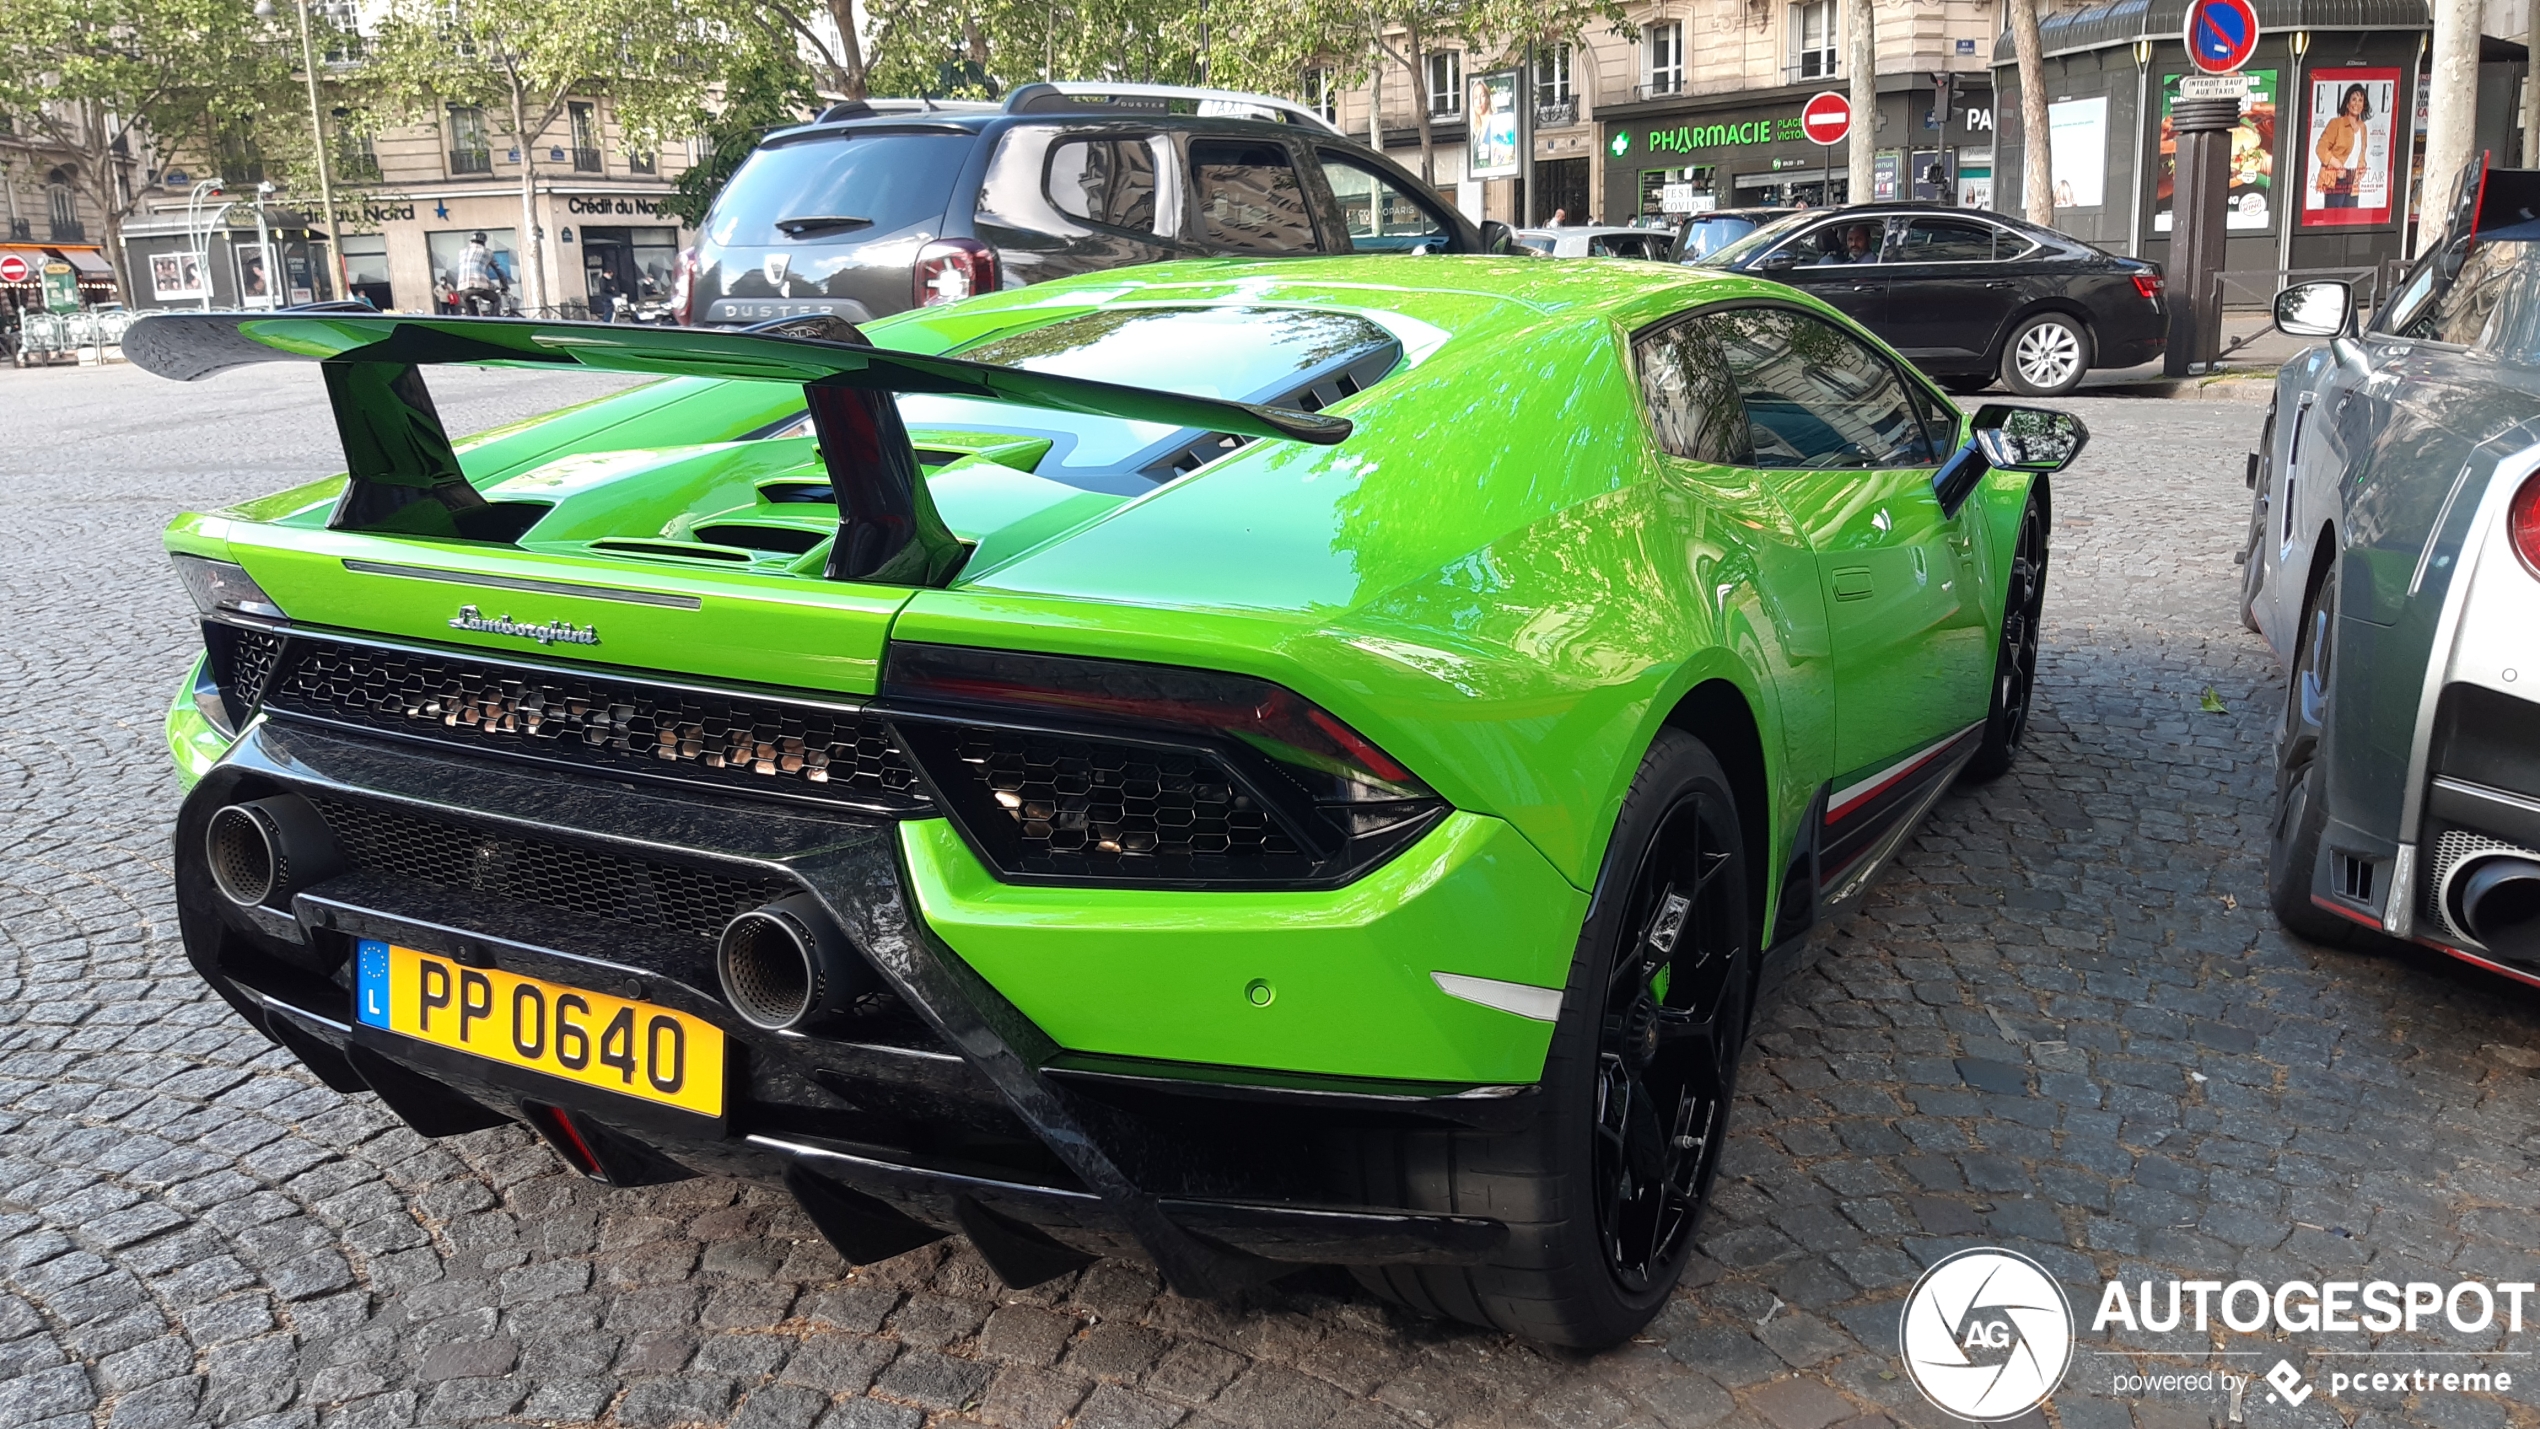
(1249, 763)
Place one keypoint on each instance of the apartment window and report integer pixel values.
(585, 122)
(1552, 78)
(1666, 55)
(468, 151)
(355, 158)
(63, 209)
(1322, 95)
(1446, 83)
(340, 24)
(639, 163)
(1813, 39)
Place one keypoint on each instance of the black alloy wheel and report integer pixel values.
(2301, 782)
(2015, 656)
(1601, 1190)
(1667, 1046)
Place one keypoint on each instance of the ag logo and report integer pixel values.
(1987, 1335)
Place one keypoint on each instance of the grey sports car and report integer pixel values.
(2394, 566)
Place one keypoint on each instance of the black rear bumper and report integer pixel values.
(938, 1108)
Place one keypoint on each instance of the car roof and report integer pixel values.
(976, 116)
(1588, 229)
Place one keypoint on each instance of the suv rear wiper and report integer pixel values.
(819, 223)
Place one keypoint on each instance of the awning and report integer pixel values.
(87, 261)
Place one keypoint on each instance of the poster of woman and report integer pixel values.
(2348, 178)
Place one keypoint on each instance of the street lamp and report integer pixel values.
(200, 232)
(317, 133)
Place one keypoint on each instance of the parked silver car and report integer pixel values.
(2393, 564)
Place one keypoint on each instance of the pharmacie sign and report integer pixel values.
(1693, 138)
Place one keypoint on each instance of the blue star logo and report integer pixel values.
(440, 210)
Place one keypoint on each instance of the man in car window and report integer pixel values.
(1860, 245)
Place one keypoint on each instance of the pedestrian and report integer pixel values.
(1560, 217)
(478, 280)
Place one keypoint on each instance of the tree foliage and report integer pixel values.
(519, 62)
(107, 80)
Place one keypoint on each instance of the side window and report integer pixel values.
(1693, 406)
(1945, 240)
(1249, 198)
(2483, 304)
(1381, 218)
(1105, 181)
(1831, 245)
(1815, 397)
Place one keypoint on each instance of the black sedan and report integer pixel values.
(1968, 296)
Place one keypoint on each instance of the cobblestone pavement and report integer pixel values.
(2064, 1024)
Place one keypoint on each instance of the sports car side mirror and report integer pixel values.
(2321, 308)
(2007, 438)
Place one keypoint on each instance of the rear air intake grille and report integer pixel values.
(574, 881)
(241, 659)
(1058, 805)
(592, 721)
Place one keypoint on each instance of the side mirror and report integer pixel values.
(2007, 438)
(2038, 439)
(1497, 237)
(1779, 259)
(2323, 307)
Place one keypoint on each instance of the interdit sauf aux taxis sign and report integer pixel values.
(1988, 1335)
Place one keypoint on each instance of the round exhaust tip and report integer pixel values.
(244, 849)
(786, 965)
(2497, 899)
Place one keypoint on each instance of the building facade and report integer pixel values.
(409, 199)
(1696, 106)
(2310, 191)
(47, 216)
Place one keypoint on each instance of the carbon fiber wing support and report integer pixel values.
(405, 478)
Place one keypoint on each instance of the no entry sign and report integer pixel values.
(12, 269)
(1827, 118)
(2221, 34)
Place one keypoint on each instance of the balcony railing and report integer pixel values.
(1559, 115)
(639, 163)
(69, 230)
(21, 230)
(356, 166)
(1812, 67)
(1659, 86)
(586, 161)
(471, 161)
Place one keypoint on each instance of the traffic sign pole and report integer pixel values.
(2220, 35)
(1825, 119)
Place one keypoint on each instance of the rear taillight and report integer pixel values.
(683, 289)
(2522, 520)
(951, 269)
(1112, 770)
(2148, 284)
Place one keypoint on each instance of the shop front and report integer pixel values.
(23, 268)
(2328, 158)
(232, 265)
(1932, 138)
(603, 247)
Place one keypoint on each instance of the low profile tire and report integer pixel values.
(2015, 654)
(2047, 355)
(1603, 1192)
(2253, 554)
(2301, 802)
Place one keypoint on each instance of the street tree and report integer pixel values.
(107, 80)
(2037, 141)
(765, 86)
(519, 62)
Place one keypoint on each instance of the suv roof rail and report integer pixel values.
(1079, 97)
(867, 108)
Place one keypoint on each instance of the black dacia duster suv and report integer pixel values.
(872, 209)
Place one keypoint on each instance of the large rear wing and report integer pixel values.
(405, 478)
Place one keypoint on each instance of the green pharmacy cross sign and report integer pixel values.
(1620, 144)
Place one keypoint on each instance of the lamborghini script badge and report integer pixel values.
(551, 632)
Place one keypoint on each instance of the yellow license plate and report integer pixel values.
(589, 1038)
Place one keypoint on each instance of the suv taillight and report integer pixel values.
(683, 289)
(951, 269)
(2148, 284)
(2522, 520)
